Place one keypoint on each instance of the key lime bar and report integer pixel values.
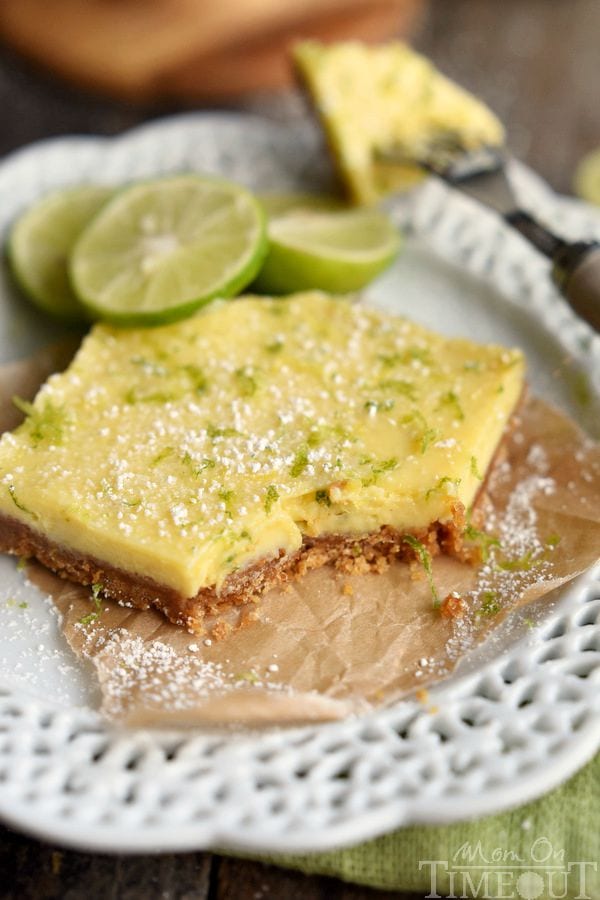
(211, 459)
(377, 98)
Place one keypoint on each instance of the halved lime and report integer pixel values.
(163, 248)
(587, 178)
(40, 243)
(331, 251)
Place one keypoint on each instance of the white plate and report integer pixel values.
(522, 712)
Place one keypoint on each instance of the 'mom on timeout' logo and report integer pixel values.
(502, 874)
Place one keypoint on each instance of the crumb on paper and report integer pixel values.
(453, 606)
(221, 630)
(348, 590)
(248, 617)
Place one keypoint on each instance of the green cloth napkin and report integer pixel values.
(562, 829)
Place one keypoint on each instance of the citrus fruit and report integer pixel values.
(40, 243)
(336, 251)
(160, 249)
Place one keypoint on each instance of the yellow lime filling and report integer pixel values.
(186, 452)
(377, 98)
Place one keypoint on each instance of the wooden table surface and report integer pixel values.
(537, 63)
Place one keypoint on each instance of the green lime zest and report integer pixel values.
(439, 487)
(522, 564)
(97, 601)
(17, 502)
(137, 395)
(197, 378)
(168, 451)
(315, 437)
(12, 603)
(418, 354)
(226, 496)
(196, 469)
(149, 365)
(300, 462)
(206, 463)
(246, 382)
(429, 436)
(271, 497)
(44, 422)
(378, 467)
(405, 357)
(451, 399)
(23, 406)
(322, 497)
(424, 557)
(174, 382)
(213, 431)
(390, 360)
(482, 538)
(474, 469)
(398, 386)
(385, 465)
(490, 605)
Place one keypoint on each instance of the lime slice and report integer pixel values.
(280, 204)
(161, 249)
(331, 251)
(587, 178)
(40, 243)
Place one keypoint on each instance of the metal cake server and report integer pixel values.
(481, 174)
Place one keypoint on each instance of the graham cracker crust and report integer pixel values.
(352, 554)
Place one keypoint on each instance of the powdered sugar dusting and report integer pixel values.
(517, 557)
(154, 675)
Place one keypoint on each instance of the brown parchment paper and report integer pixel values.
(332, 644)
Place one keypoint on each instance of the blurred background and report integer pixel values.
(102, 66)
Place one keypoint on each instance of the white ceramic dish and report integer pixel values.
(520, 714)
